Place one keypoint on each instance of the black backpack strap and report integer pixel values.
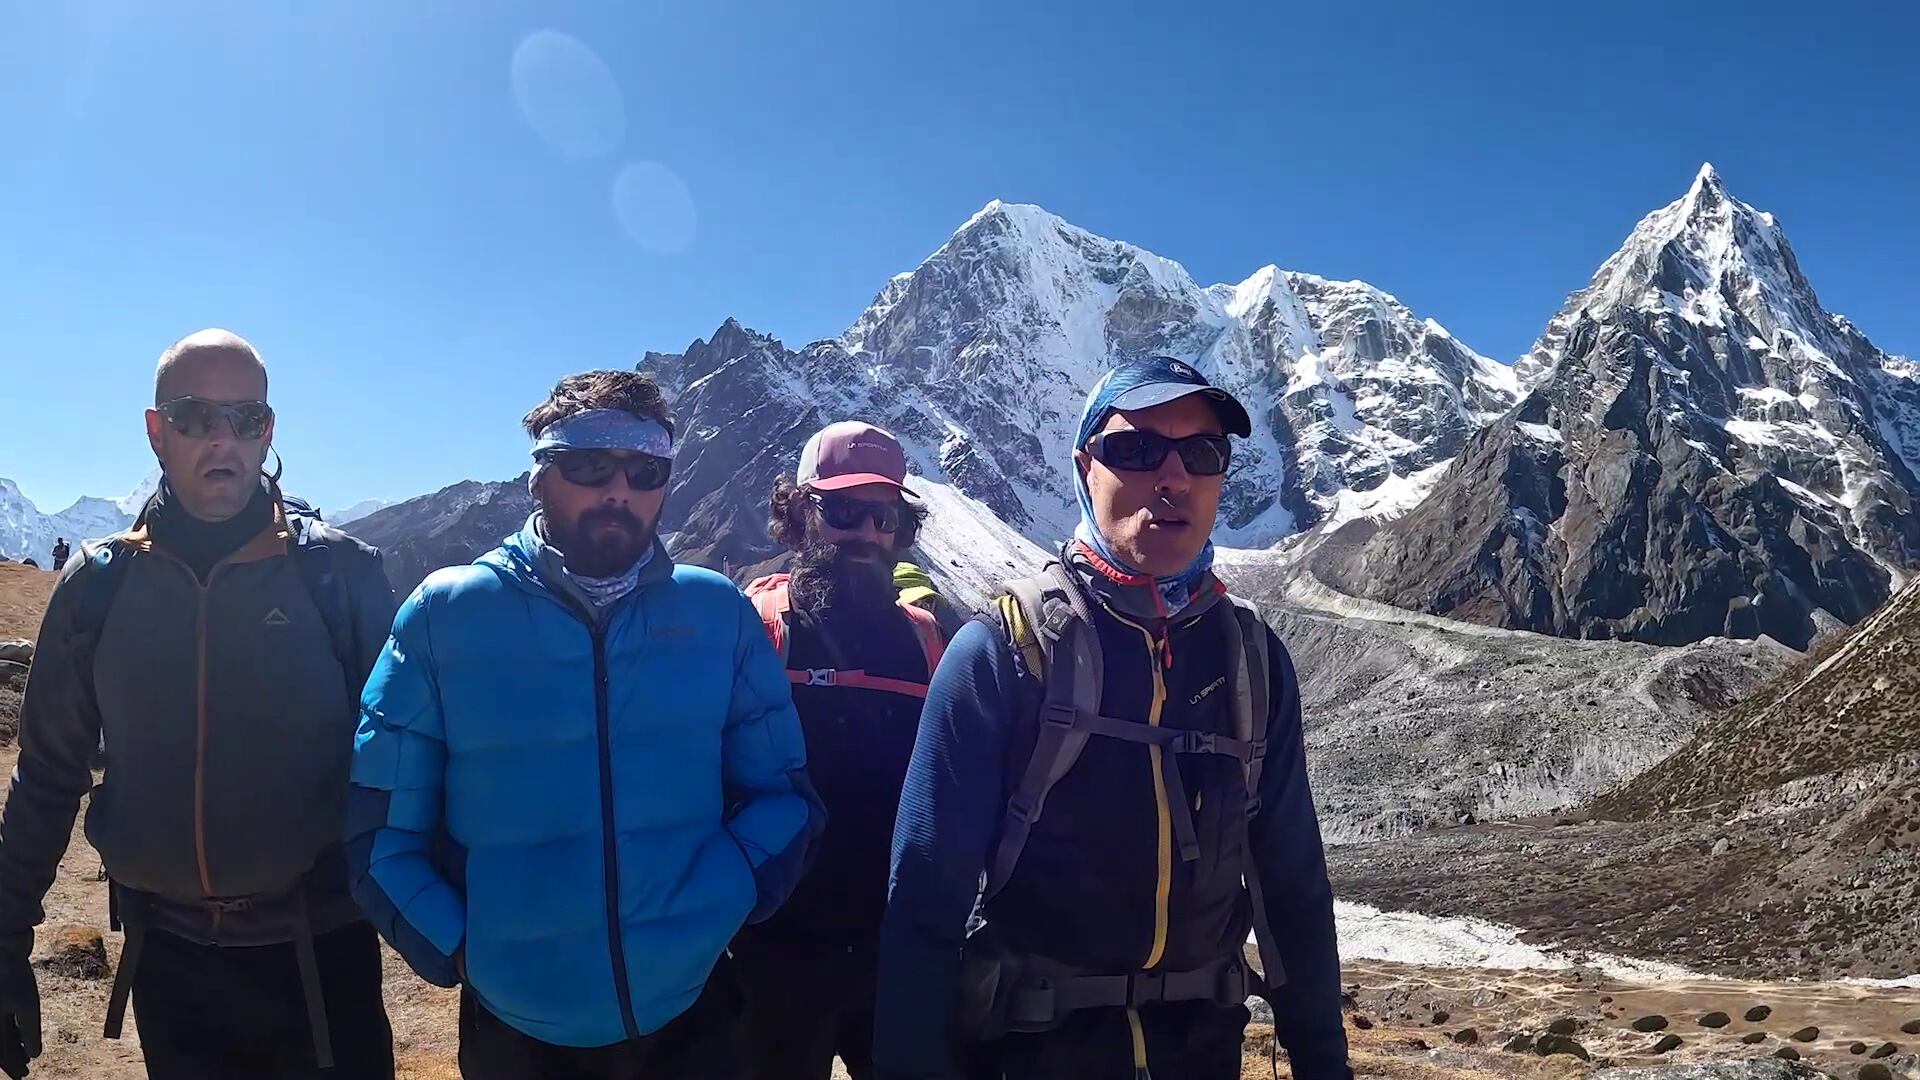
(313, 554)
(1252, 704)
(1044, 614)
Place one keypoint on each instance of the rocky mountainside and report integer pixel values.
(1856, 708)
(1703, 450)
(447, 528)
(1415, 721)
(1781, 840)
(980, 358)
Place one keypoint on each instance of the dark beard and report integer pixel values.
(830, 577)
(600, 553)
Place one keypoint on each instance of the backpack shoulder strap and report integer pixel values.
(95, 583)
(313, 553)
(1045, 617)
(926, 628)
(770, 598)
(1247, 641)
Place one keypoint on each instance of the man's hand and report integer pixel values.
(19, 1006)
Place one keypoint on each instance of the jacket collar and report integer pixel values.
(531, 563)
(1131, 596)
(267, 543)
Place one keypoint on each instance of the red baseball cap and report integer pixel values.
(849, 454)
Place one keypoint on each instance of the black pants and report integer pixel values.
(702, 1043)
(211, 1013)
(807, 1003)
(1184, 1041)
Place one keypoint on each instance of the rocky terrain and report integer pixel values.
(1414, 720)
(1782, 840)
(448, 528)
(1703, 450)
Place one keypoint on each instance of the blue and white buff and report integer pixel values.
(599, 429)
(1177, 590)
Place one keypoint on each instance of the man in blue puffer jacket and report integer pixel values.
(579, 771)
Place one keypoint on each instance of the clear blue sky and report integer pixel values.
(420, 252)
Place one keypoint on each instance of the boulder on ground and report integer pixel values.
(1550, 1044)
(1650, 1024)
(1758, 1013)
(1875, 1071)
(1563, 1026)
(18, 650)
(1467, 1037)
(1667, 1044)
(1715, 1020)
(1806, 1034)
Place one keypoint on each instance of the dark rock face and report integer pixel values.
(450, 527)
(1705, 452)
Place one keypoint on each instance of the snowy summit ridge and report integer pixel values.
(981, 357)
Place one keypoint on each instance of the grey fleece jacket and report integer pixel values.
(228, 725)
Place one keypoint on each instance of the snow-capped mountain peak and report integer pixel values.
(981, 357)
(27, 533)
(1703, 448)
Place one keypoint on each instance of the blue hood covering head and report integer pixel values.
(1143, 384)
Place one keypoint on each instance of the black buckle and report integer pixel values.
(1146, 988)
(1201, 742)
(229, 905)
(1061, 716)
(1233, 985)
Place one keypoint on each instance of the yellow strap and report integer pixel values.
(1139, 1042)
(1021, 633)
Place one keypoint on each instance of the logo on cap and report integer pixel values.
(1183, 370)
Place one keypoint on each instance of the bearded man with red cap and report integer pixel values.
(859, 657)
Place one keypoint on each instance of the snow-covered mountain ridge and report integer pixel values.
(1704, 449)
(27, 533)
(980, 358)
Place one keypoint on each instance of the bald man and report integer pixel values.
(217, 651)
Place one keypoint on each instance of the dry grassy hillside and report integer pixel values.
(1859, 707)
(23, 596)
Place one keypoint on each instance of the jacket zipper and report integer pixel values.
(1163, 884)
(200, 722)
(609, 841)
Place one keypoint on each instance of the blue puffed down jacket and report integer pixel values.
(582, 805)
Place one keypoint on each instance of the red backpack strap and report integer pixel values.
(770, 598)
(927, 628)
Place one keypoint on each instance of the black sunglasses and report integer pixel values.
(595, 468)
(1145, 451)
(194, 417)
(840, 512)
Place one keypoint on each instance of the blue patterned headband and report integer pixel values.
(600, 429)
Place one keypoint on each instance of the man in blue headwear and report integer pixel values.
(1116, 753)
(579, 771)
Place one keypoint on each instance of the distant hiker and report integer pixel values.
(60, 553)
(859, 657)
(1114, 750)
(220, 645)
(579, 771)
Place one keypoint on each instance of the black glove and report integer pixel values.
(19, 1005)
